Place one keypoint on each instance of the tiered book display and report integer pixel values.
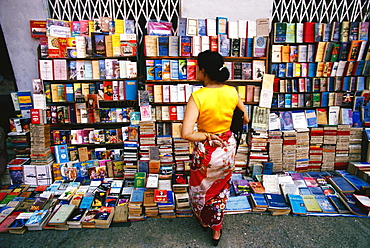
(321, 90)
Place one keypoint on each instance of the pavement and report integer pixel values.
(240, 230)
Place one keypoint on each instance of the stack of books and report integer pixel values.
(130, 159)
(289, 150)
(151, 207)
(276, 149)
(104, 217)
(238, 205)
(135, 206)
(166, 203)
(183, 208)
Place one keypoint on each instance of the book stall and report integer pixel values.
(93, 147)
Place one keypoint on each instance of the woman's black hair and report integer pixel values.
(213, 64)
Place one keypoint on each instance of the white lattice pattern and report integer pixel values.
(320, 10)
(139, 10)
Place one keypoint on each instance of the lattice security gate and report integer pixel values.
(320, 10)
(139, 10)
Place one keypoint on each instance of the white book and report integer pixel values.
(333, 115)
(299, 32)
(299, 120)
(29, 172)
(276, 53)
(152, 181)
(80, 66)
(164, 184)
(173, 45)
(362, 50)
(334, 69)
(232, 29)
(302, 53)
(131, 69)
(123, 68)
(188, 91)
(180, 112)
(242, 28)
(274, 121)
(173, 93)
(80, 46)
(60, 69)
(341, 67)
(211, 27)
(251, 29)
(181, 92)
(192, 26)
(346, 116)
(165, 113)
(121, 90)
(204, 43)
(195, 45)
(46, 69)
(166, 93)
(43, 172)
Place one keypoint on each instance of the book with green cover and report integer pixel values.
(139, 180)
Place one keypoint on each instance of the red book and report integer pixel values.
(276, 85)
(62, 47)
(309, 32)
(90, 115)
(108, 90)
(213, 43)
(160, 195)
(36, 116)
(191, 69)
(173, 113)
(2, 195)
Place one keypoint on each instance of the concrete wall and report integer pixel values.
(14, 19)
(15, 16)
(232, 9)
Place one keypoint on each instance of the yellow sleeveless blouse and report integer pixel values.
(216, 106)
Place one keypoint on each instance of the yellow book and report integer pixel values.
(158, 95)
(285, 54)
(95, 69)
(320, 51)
(108, 46)
(54, 93)
(77, 90)
(242, 90)
(311, 203)
(119, 26)
(85, 90)
(91, 27)
(150, 45)
(116, 45)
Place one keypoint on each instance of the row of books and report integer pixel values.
(96, 45)
(78, 113)
(174, 46)
(332, 84)
(316, 100)
(61, 69)
(321, 52)
(102, 24)
(95, 135)
(222, 25)
(320, 32)
(321, 69)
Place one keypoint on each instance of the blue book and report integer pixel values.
(102, 68)
(343, 51)
(309, 86)
(297, 204)
(237, 203)
(163, 45)
(356, 118)
(316, 191)
(221, 27)
(289, 69)
(86, 202)
(182, 69)
(61, 154)
(276, 201)
(224, 45)
(331, 82)
(36, 218)
(88, 69)
(304, 191)
(170, 199)
(174, 69)
(25, 100)
(346, 83)
(360, 86)
(281, 69)
(137, 196)
(325, 204)
(259, 200)
(341, 184)
(202, 30)
(158, 69)
(324, 98)
(360, 67)
(288, 100)
(311, 118)
(249, 47)
(69, 93)
(182, 27)
(275, 69)
(354, 181)
(312, 68)
(267, 168)
(130, 90)
(280, 29)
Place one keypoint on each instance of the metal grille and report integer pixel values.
(320, 10)
(139, 10)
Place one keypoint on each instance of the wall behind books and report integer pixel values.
(15, 17)
(232, 9)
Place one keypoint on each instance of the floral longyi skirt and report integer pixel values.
(210, 176)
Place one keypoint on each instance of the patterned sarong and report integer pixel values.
(210, 176)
